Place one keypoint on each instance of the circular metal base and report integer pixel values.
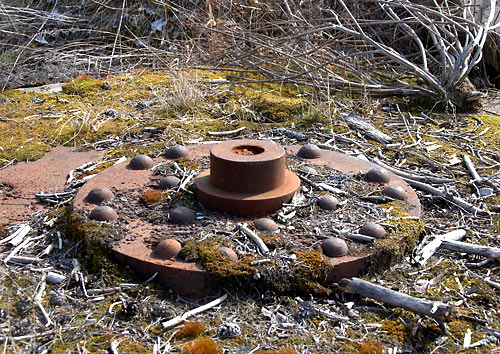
(189, 278)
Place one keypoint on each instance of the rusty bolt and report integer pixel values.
(141, 162)
(396, 192)
(182, 215)
(103, 213)
(378, 175)
(228, 252)
(309, 151)
(98, 195)
(265, 224)
(372, 229)
(334, 247)
(168, 182)
(328, 202)
(177, 152)
(167, 249)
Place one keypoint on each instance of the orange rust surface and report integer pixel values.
(47, 175)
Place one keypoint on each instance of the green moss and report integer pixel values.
(82, 86)
(99, 344)
(30, 151)
(399, 241)
(459, 327)
(97, 239)
(187, 164)
(307, 275)
(395, 330)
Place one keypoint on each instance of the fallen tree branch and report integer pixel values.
(411, 176)
(448, 197)
(435, 309)
(472, 169)
(463, 247)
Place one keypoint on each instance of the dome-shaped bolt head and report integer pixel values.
(266, 225)
(229, 253)
(334, 247)
(141, 162)
(378, 175)
(177, 152)
(396, 192)
(373, 230)
(103, 213)
(168, 182)
(167, 249)
(98, 195)
(182, 215)
(309, 151)
(328, 202)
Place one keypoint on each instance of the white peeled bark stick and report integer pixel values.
(470, 166)
(463, 247)
(448, 197)
(180, 319)
(15, 238)
(23, 259)
(255, 238)
(45, 314)
(428, 250)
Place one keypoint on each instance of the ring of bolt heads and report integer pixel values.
(300, 236)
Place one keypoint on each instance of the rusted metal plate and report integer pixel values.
(351, 165)
(189, 278)
(19, 183)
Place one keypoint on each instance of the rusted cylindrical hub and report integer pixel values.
(247, 166)
(246, 177)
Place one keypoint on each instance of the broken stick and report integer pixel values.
(434, 309)
(446, 196)
(255, 238)
(457, 246)
(180, 319)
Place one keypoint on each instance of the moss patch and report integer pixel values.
(97, 239)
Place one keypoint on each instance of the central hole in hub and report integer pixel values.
(247, 150)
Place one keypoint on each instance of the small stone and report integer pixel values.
(103, 213)
(378, 175)
(328, 202)
(486, 191)
(56, 299)
(309, 151)
(372, 229)
(265, 224)
(334, 247)
(182, 215)
(177, 152)
(168, 182)
(141, 162)
(106, 86)
(308, 170)
(396, 192)
(228, 330)
(98, 195)
(167, 249)
(228, 252)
